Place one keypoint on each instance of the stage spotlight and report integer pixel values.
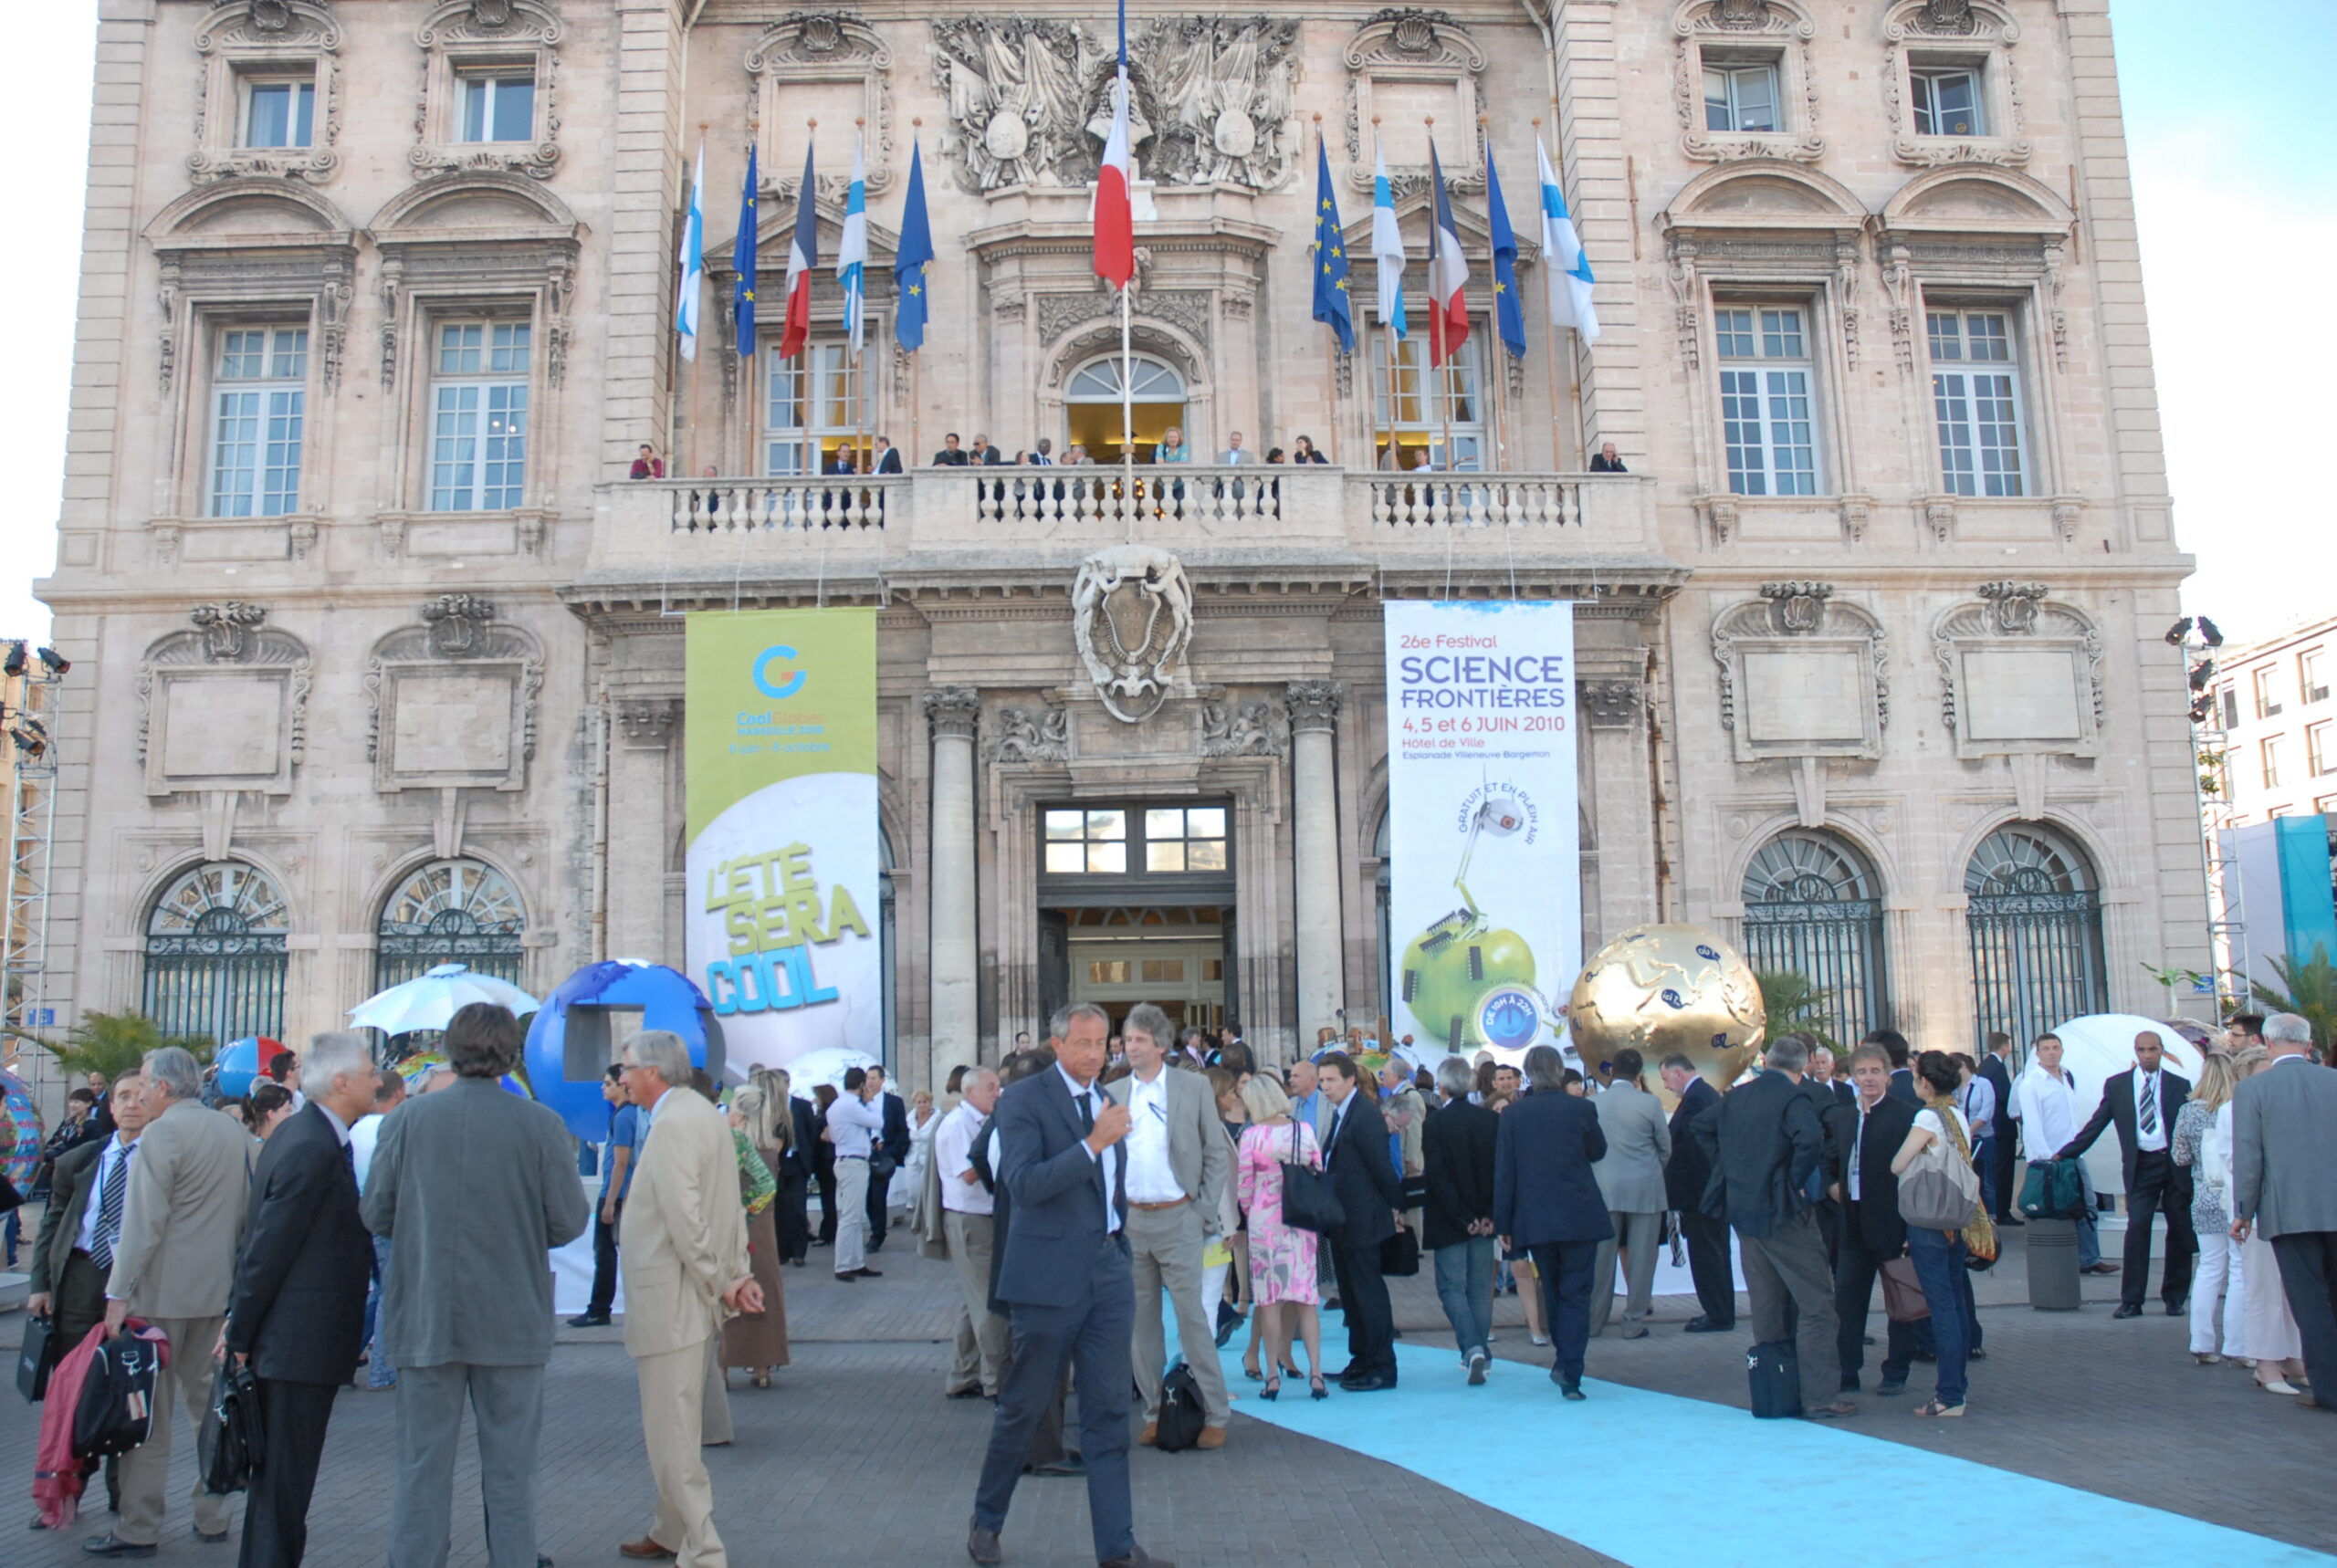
(16, 664)
(57, 663)
(2203, 710)
(2201, 673)
(2209, 634)
(29, 744)
(2177, 632)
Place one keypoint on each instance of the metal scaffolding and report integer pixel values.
(27, 702)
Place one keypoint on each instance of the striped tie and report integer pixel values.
(109, 1201)
(2149, 1102)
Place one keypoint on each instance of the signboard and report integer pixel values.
(783, 867)
(1483, 831)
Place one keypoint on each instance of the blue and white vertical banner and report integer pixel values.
(1483, 824)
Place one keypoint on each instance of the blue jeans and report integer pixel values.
(1464, 1284)
(379, 1373)
(1983, 1161)
(2088, 1233)
(1938, 1257)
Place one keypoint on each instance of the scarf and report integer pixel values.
(1980, 1236)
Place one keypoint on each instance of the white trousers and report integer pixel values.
(2218, 1276)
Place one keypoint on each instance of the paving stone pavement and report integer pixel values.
(853, 1457)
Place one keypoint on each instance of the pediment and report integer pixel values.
(258, 209)
(1766, 192)
(475, 205)
(1977, 199)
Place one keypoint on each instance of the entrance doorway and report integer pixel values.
(1174, 958)
(1091, 405)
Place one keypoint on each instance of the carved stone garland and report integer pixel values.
(1770, 27)
(246, 34)
(462, 26)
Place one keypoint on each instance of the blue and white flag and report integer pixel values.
(1563, 262)
(851, 251)
(693, 259)
(1386, 249)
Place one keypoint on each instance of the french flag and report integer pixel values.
(1447, 276)
(802, 258)
(1114, 212)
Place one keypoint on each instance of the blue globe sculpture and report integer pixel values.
(569, 1044)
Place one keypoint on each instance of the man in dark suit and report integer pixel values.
(1827, 1096)
(1457, 1144)
(1064, 1272)
(888, 458)
(2143, 1101)
(1903, 1071)
(1546, 1201)
(1765, 1145)
(951, 455)
(1867, 1134)
(893, 1143)
(298, 1310)
(1354, 1152)
(1684, 1177)
(1996, 1066)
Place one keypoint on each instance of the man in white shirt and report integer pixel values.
(967, 1211)
(389, 1094)
(855, 1124)
(2044, 1102)
(1179, 1160)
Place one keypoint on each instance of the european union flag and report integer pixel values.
(743, 257)
(1331, 306)
(1509, 312)
(910, 261)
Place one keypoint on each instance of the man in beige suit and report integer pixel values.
(175, 1266)
(682, 1246)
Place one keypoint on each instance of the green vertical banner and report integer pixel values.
(783, 865)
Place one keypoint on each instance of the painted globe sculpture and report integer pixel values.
(1471, 984)
(1663, 990)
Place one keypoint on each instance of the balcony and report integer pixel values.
(992, 522)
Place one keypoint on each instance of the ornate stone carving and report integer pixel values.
(826, 47)
(226, 628)
(1608, 702)
(2014, 605)
(1857, 511)
(1409, 45)
(2066, 512)
(1687, 298)
(2058, 318)
(1030, 99)
(1187, 309)
(457, 623)
(1846, 293)
(1243, 730)
(647, 722)
(1899, 284)
(1974, 27)
(1939, 515)
(1719, 513)
(1779, 29)
(248, 34)
(1315, 705)
(1798, 608)
(456, 29)
(953, 711)
(1131, 620)
(1028, 738)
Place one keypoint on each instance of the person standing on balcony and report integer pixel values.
(1171, 447)
(889, 461)
(648, 465)
(1302, 450)
(951, 455)
(1607, 462)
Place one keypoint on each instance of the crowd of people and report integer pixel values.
(1117, 1204)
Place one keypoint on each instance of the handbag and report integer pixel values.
(1902, 1292)
(1941, 1192)
(10, 1198)
(43, 1348)
(1400, 1255)
(1308, 1200)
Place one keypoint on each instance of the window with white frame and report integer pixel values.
(479, 412)
(2268, 700)
(259, 406)
(1768, 413)
(1427, 402)
(2268, 750)
(813, 407)
(1946, 100)
(2313, 677)
(279, 113)
(1741, 95)
(2227, 704)
(2320, 755)
(498, 106)
(1975, 398)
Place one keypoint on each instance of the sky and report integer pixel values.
(2228, 124)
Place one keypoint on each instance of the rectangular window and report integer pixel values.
(1424, 397)
(2271, 748)
(1767, 411)
(259, 403)
(2229, 698)
(2268, 703)
(1975, 398)
(2312, 682)
(1109, 972)
(1163, 971)
(811, 409)
(2320, 754)
(1087, 842)
(1184, 838)
(279, 114)
(478, 405)
(499, 108)
(1946, 100)
(1741, 96)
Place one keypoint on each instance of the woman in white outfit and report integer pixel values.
(2271, 1335)
(2202, 1143)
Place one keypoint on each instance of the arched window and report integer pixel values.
(449, 911)
(1150, 380)
(2034, 919)
(215, 953)
(1092, 406)
(1813, 908)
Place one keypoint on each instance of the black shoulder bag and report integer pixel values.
(1308, 1199)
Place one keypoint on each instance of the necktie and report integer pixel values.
(109, 1201)
(2148, 1114)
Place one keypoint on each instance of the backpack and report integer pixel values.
(2054, 1189)
(1182, 1415)
(117, 1409)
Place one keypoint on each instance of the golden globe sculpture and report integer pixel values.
(1669, 989)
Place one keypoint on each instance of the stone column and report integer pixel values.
(641, 833)
(1315, 833)
(956, 1023)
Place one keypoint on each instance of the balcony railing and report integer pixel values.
(694, 526)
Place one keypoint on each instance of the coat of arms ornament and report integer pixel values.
(1131, 618)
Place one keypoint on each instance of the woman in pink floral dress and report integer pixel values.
(1282, 1257)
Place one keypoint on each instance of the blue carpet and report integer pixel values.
(1659, 1481)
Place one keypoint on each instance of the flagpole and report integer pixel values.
(917, 366)
(1550, 327)
(859, 325)
(750, 369)
(1439, 330)
(1498, 370)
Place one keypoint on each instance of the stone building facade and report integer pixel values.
(377, 651)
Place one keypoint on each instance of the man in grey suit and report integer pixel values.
(474, 1186)
(2284, 1182)
(173, 1265)
(1630, 1178)
(1179, 1160)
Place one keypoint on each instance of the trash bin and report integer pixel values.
(2053, 1265)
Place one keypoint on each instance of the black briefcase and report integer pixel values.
(1774, 1372)
(44, 1347)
